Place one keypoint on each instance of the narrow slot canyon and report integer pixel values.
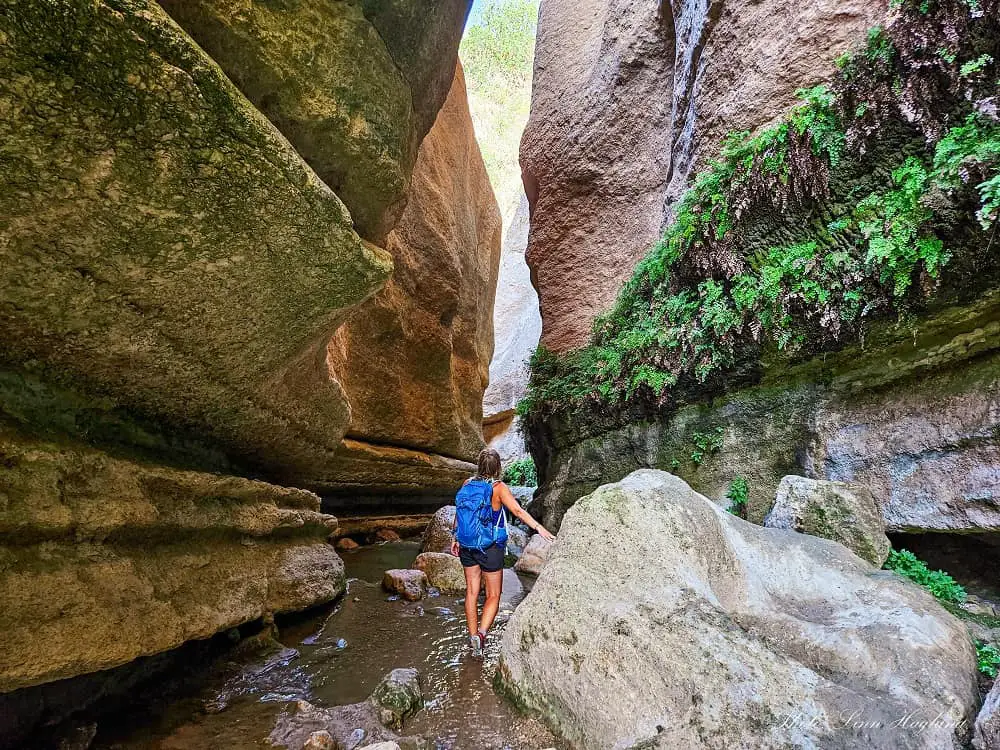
(499, 374)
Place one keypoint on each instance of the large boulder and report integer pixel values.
(444, 571)
(355, 124)
(438, 535)
(662, 620)
(839, 511)
(627, 100)
(987, 729)
(414, 360)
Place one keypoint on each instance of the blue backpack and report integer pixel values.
(475, 528)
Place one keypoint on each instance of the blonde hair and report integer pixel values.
(489, 464)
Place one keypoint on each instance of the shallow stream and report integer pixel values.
(337, 657)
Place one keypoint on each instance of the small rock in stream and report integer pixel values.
(410, 584)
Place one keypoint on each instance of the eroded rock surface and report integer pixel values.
(627, 100)
(414, 360)
(913, 416)
(354, 104)
(409, 584)
(833, 510)
(694, 628)
(517, 325)
(106, 560)
(168, 264)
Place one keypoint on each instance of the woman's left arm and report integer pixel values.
(511, 504)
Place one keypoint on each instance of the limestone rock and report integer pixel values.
(414, 360)
(347, 544)
(911, 415)
(694, 628)
(534, 556)
(107, 560)
(387, 535)
(353, 123)
(410, 584)
(398, 696)
(627, 100)
(516, 322)
(369, 723)
(438, 535)
(321, 740)
(833, 510)
(444, 570)
(170, 269)
(517, 540)
(987, 730)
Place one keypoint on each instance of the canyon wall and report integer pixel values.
(518, 326)
(825, 303)
(414, 359)
(912, 414)
(185, 222)
(629, 99)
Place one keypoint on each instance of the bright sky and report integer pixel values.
(477, 8)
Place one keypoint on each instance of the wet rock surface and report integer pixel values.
(444, 570)
(409, 584)
(341, 657)
(833, 510)
(778, 635)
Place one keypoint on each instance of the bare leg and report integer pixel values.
(473, 577)
(494, 585)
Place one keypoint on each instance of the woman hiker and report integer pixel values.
(481, 540)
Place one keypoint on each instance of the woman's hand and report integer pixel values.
(454, 548)
(544, 533)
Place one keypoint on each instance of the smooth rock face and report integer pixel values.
(628, 99)
(414, 360)
(534, 556)
(517, 325)
(151, 214)
(833, 510)
(107, 560)
(914, 419)
(410, 584)
(694, 628)
(438, 535)
(353, 123)
(444, 570)
(516, 321)
(987, 730)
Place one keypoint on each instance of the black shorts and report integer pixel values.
(490, 559)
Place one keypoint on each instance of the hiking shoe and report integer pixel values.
(476, 644)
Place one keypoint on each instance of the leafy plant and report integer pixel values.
(521, 473)
(705, 443)
(738, 494)
(988, 659)
(973, 67)
(939, 583)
